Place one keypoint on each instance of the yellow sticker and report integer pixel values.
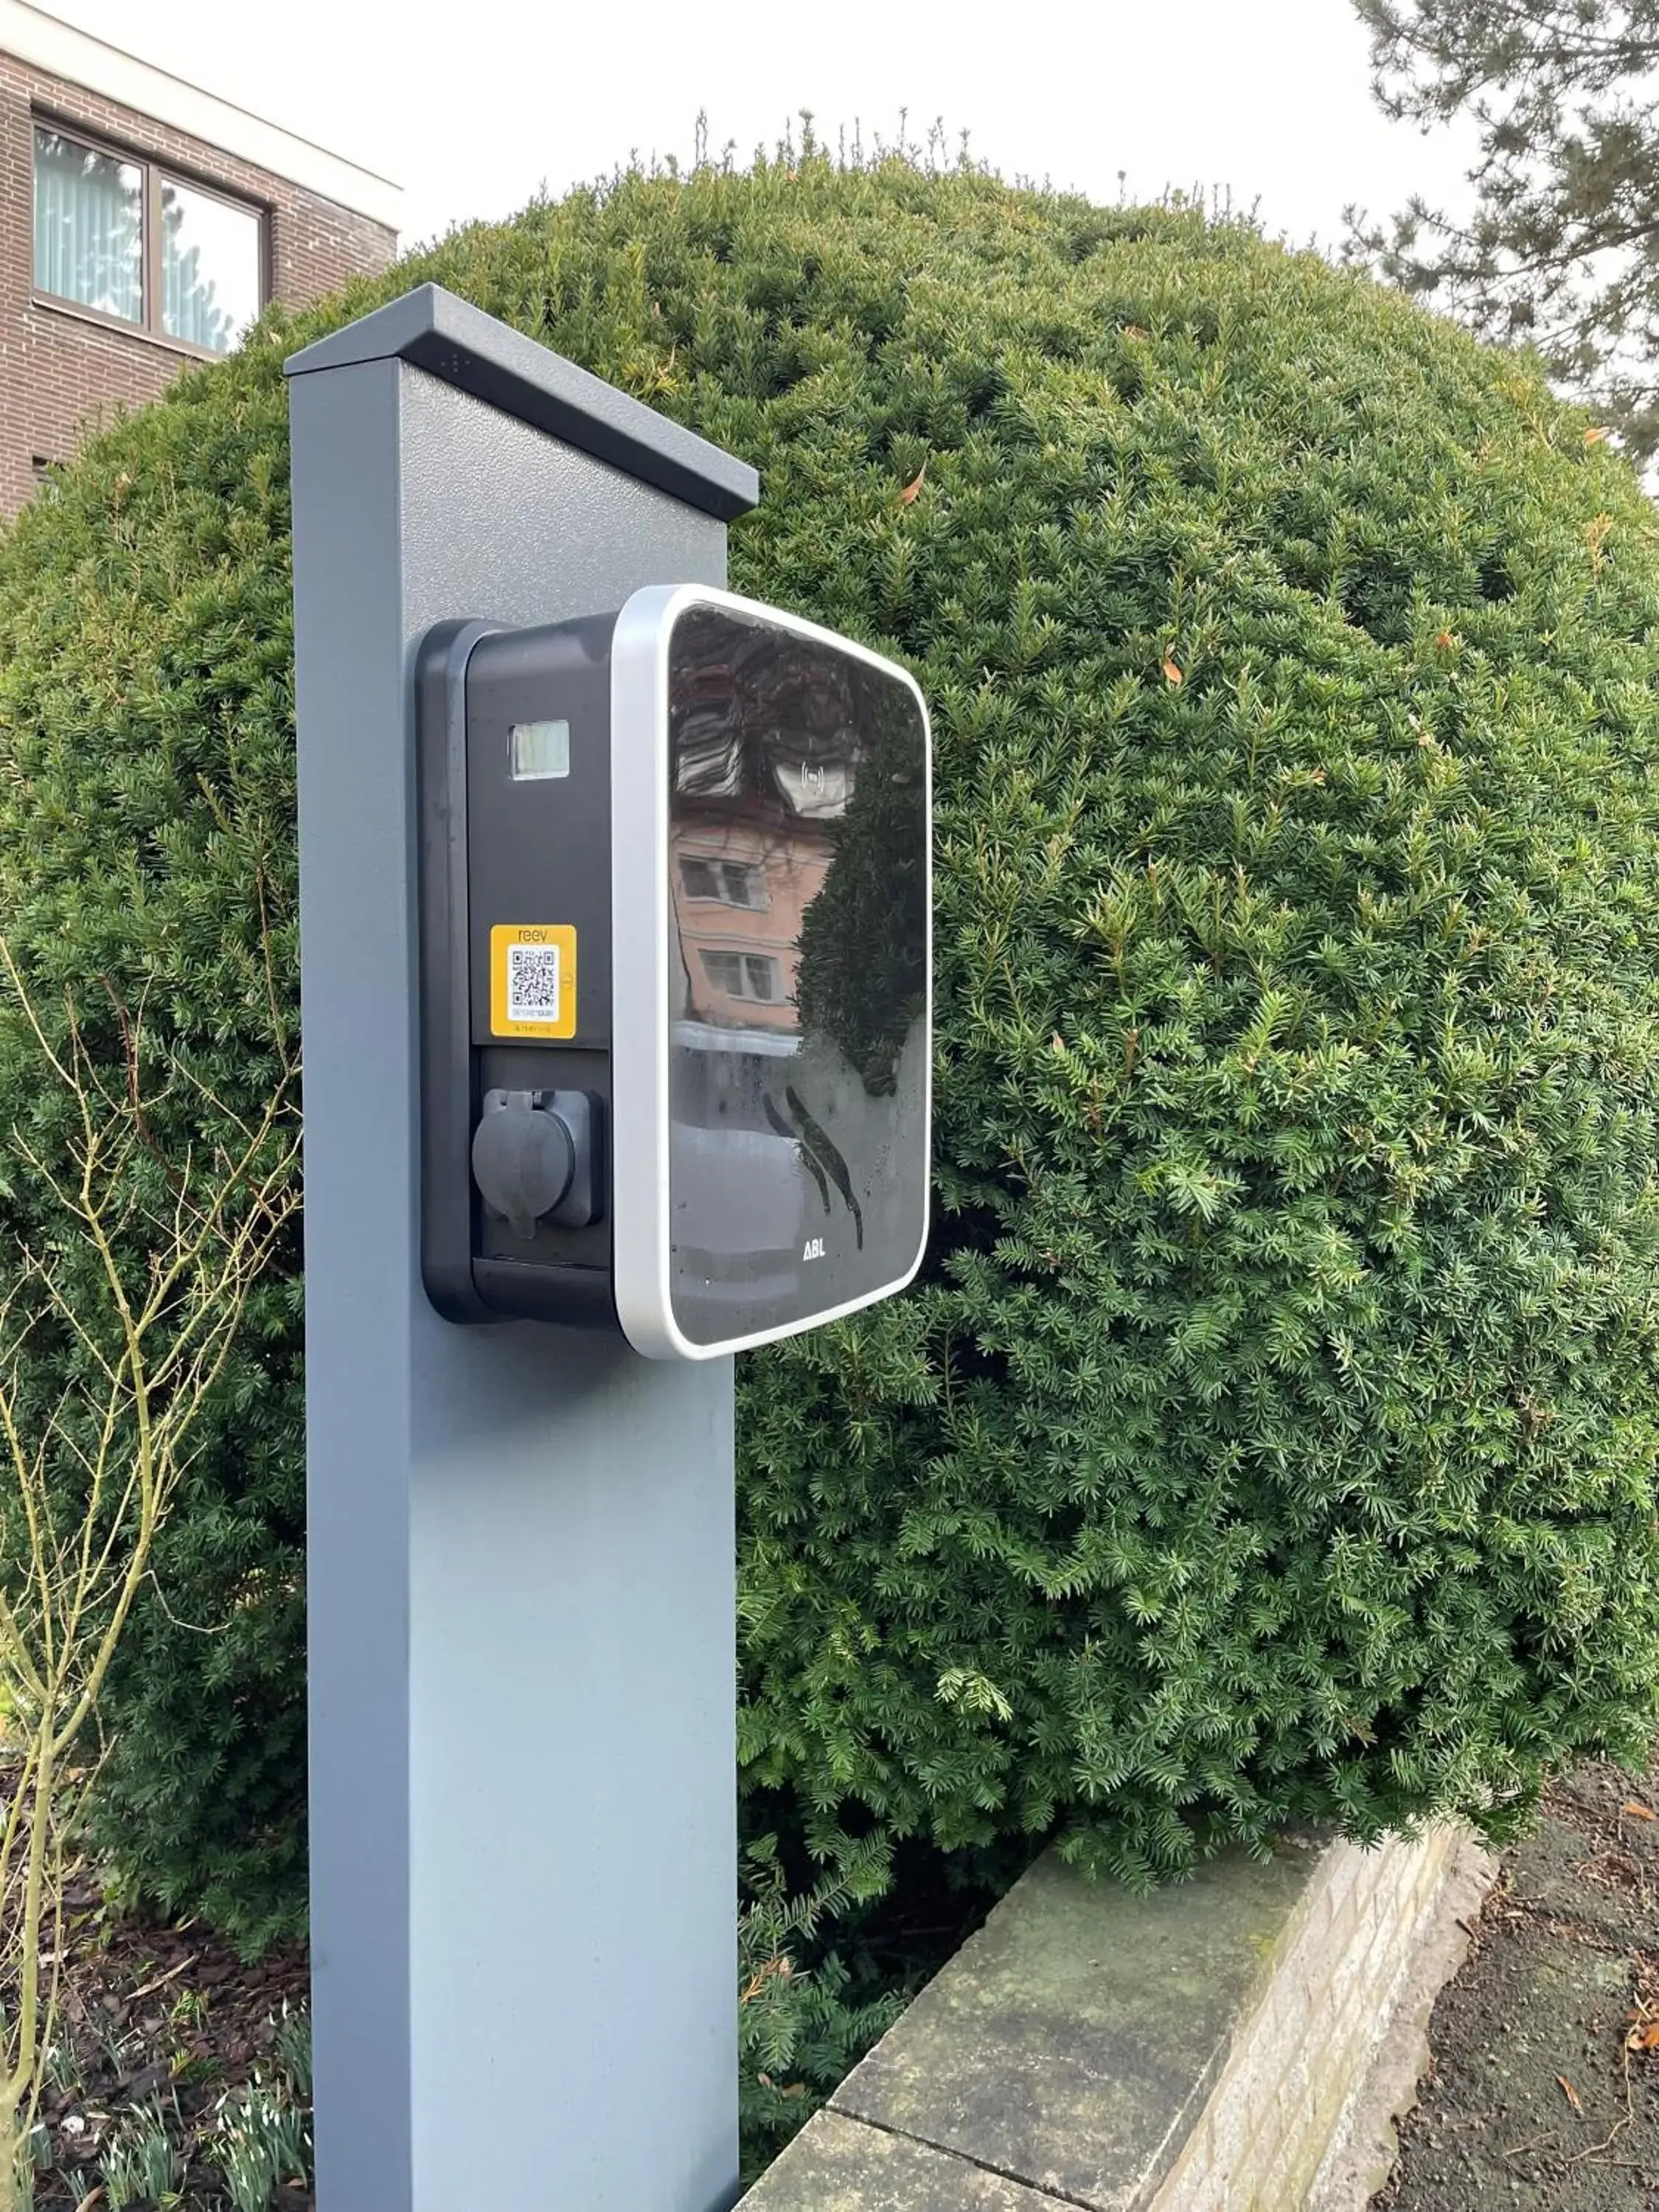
(532, 979)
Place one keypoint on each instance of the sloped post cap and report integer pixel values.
(433, 330)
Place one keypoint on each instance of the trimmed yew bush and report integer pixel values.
(1271, 1435)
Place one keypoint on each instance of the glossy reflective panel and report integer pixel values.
(798, 1035)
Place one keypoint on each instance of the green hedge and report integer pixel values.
(1271, 1436)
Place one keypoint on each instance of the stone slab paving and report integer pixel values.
(845, 2167)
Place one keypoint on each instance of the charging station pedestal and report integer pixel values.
(521, 1580)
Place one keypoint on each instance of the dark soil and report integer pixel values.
(156, 2025)
(160, 2024)
(1543, 2094)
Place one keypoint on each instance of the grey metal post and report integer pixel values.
(521, 1541)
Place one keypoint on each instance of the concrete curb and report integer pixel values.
(1238, 2044)
(1362, 2155)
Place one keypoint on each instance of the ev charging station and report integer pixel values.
(616, 956)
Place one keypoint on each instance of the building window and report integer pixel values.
(128, 240)
(733, 882)
(89, 227)
(210, 257)
(744, 975)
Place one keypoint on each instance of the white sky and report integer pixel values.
(471, 104)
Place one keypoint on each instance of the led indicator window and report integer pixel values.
(540, 751)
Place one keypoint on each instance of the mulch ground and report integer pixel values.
(1543, 2094)
(156, 2017)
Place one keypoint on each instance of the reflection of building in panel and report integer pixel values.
(763, 770)
(741, 887)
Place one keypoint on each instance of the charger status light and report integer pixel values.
(539, 751)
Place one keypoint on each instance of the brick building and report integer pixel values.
(144, 223)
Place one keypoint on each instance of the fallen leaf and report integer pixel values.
(1171, 671)
(1572, 2093)
(1135, 330)
(1445, 640)
(1058, 1042)
(1644, 2038)
(911, 491)
(1633, 1811)
(1594, 437)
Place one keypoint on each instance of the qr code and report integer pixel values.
(534, 973)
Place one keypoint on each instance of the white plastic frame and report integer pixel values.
(640, 899)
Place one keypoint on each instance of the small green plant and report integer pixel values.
(291, 2044)
(141, 2165)
(61, 2070)
(158, 2160)
(118, 2169)
(799, 2030)
(265, 2139)
(115, 2044)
